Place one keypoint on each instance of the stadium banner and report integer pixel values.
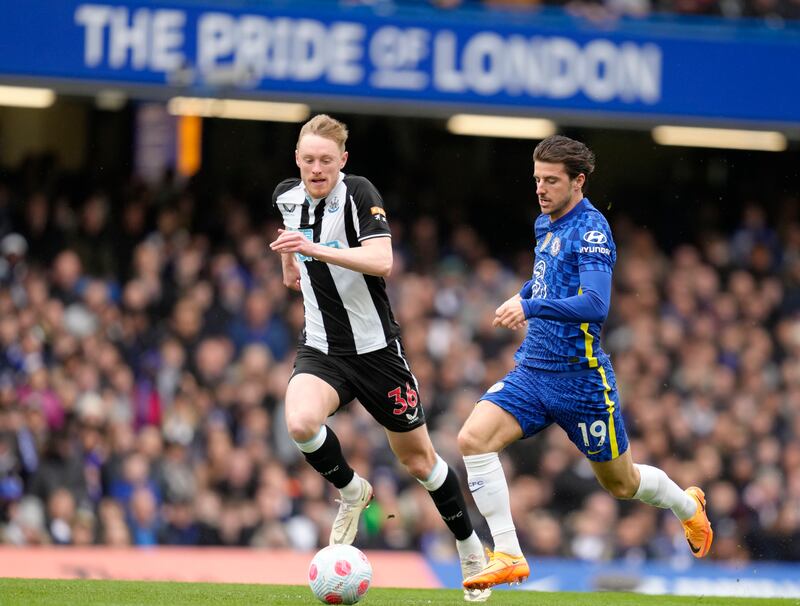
(396, 569)
(684, 576)
(200, 565)
(424, 60)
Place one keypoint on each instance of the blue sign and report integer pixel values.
(685, 576)
(630, 70)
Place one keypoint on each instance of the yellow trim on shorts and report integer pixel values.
(612, 433)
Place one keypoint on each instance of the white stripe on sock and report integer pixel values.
(437, 477)
(314, 443)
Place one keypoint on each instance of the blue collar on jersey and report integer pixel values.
(582, 205)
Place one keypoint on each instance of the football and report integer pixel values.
(339, 574)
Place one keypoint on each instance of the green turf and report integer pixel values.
(34, 592)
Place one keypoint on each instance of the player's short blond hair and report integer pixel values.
(323, 125)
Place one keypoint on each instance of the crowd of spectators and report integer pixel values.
(144, 359)
(774, 12)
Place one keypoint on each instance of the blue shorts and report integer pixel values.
(585, 404)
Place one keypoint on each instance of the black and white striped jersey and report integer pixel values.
(346, 312)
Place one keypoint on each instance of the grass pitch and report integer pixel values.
(35, 592)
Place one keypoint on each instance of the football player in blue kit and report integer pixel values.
(562, 374)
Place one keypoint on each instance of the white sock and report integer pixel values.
(469, 546)
(352, 491)
(489, 489)
(437, 477)
(656, 488)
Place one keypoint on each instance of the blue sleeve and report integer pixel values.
(527, 290)
(590, 306)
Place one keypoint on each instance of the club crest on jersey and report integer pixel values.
(548, 236)
(555, 247)
(332, 205)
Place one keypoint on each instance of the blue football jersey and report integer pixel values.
(580, 240)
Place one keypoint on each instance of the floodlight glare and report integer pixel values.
(238, 109)
(722, 138)
(24, 96)
(500, 126)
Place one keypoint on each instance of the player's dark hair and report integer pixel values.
(574, 155)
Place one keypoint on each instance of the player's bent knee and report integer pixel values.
(620, 489)
(418, 466)
(420, 472)
(470, 442)
(302, 428)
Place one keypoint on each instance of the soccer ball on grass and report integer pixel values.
(339, 574)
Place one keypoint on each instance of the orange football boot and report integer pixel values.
(502, 568)
(697, 528)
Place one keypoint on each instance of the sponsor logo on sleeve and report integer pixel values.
(378, 213)
(496, 387)
(595, 239)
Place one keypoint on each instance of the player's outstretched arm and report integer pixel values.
(374, 257)
(291, 271)
(590, 306)
(510, 314)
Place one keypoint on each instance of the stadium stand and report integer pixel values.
(773, 11)
(137, 333)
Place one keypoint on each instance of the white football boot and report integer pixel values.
(345, 525)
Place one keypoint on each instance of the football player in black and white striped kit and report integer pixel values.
(336, 249)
